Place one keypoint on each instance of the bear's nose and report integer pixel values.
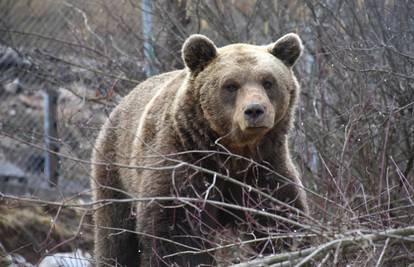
(254, 111)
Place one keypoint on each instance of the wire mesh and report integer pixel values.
(39, 56)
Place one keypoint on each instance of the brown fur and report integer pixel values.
(194, 109)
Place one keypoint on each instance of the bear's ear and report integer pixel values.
(198, 51)
(288, 49)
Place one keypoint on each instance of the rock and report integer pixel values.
(13, 87)
(15, 260)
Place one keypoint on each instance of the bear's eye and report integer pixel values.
(231, 87)
(267, 84)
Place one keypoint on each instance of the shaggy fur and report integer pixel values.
(203, 107)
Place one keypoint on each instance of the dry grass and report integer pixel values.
(32, 230)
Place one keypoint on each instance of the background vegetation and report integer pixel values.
(354, 132)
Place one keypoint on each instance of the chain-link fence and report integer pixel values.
(50, 110)
(43, 125)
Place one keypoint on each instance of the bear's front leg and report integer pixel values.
(171, 231)
(290, 189)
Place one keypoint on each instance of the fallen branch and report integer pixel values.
(313, 252)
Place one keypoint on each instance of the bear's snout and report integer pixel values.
(254, 111)
(254, 114)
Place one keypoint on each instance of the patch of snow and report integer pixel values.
(71, 259)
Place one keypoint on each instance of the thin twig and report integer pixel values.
(382, 252)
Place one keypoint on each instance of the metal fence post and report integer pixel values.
(52, 164)
(146, 28)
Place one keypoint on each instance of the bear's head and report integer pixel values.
(244, 91)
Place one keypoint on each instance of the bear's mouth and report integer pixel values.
(255, 131)
(256, 128)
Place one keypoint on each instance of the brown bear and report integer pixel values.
(179, 137)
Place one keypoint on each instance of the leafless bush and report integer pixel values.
(354, 132)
